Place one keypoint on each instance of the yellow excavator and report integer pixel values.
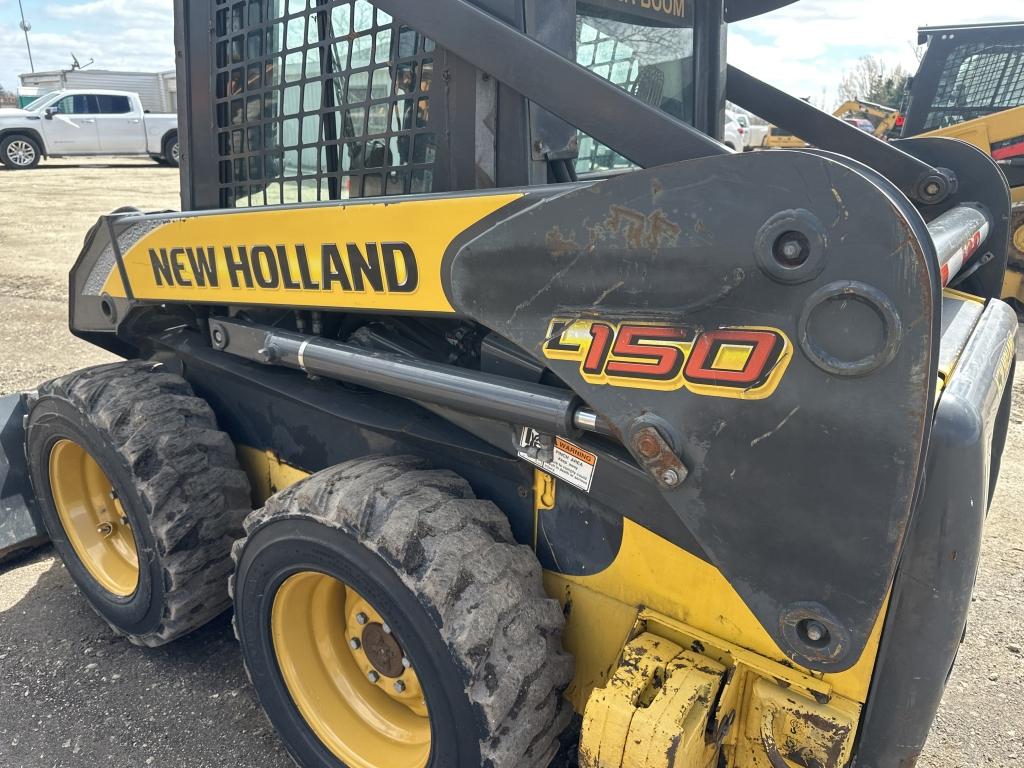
(884, 120)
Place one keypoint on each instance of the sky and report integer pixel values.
(803, 49)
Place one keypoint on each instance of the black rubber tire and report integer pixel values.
(442, 567)
(178, 481)
(10, 139)
(168, 157)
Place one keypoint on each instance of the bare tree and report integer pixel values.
(872, 79)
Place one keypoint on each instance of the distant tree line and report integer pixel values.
(872, 79)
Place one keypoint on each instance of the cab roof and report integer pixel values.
(738, 10)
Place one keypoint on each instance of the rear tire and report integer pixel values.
(440, 569)
(20, 152)
(172, 153)
(125, 453)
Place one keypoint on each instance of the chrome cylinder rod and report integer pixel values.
(548, 409)
(957, 235)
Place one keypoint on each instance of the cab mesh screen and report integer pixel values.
(977, 80)
(319, 100)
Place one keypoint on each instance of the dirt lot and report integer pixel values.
(72, 695)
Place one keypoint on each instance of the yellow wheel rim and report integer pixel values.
(1018, 238)
(348, 675)
(93, 518)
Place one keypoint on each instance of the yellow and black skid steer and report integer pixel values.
(521, 422)
(970, 86)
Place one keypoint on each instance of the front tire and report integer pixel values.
(20, 152)
(141, 495)
(388, 619)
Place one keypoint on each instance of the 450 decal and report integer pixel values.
(741, 362)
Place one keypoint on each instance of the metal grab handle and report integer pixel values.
(957, 235)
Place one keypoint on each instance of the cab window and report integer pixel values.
(77, 104)
(112, 105)
(644, 51)
(978, 79)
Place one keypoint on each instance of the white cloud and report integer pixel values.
(116, 34)
(804, 48)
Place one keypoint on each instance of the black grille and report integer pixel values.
(319, 101)
(977, 80)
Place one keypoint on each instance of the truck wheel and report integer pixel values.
(141, 494)
(172, 154)
(19, 152)
(388, 619)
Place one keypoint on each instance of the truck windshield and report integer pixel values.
(645, 49)
(37, 104)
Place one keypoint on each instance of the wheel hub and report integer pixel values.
(93, 518)
(383, 650)
(20, 152)
(348, 674)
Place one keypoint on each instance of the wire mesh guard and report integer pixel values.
(977, 80)
(319, 100)
(652, 63)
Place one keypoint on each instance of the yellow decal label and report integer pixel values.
(380, 256)
(740, 362)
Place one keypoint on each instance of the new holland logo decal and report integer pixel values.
(740, 362)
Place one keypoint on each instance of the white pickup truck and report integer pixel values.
(85, 122)
(753, 135)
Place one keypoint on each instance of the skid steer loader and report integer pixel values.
(970, 86)
(519, 419)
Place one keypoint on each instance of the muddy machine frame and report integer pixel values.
(745, 411)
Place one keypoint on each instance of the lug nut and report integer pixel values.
(399, 686)
(104, 529)
(386, 628)
(361, 618)
(354, 644)
(373, 677)
(406, 663)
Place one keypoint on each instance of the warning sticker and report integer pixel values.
(567, 461)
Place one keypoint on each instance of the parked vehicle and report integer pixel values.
(970, 86)
(888, 119)
(79, 122)
(734, 133)
(754, 136)
(158, 91)
(861, 123)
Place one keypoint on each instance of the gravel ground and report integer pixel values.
(73, 695)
